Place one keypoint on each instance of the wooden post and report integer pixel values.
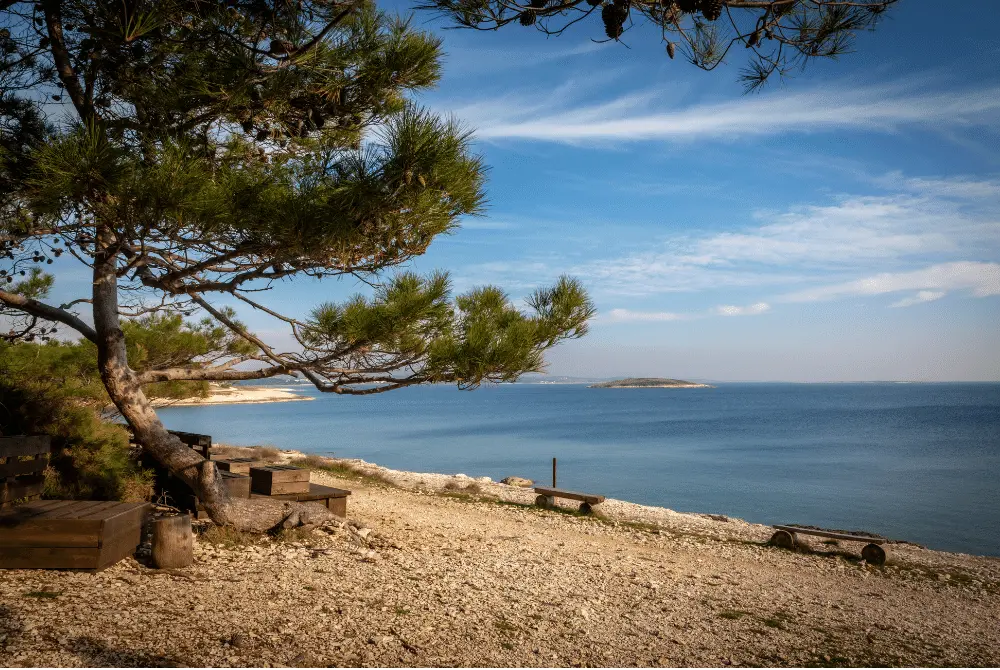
(553, 472)
(173, 542)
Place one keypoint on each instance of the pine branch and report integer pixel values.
(47, 313)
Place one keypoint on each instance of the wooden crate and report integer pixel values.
(272, 480)
(23, 459)
(69, 534)
(238, 465)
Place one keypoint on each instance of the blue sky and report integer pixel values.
(841, 225)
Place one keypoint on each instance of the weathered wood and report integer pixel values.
(334, 499)
(25, 445)
(273, 480)
(173, 542)
(237, 465)
(14, 468)
(70, 534)
(873, 554)
(784, 539)
(236, 484)
(544, 501)
(573, 495)
(46, 558)
(28, 486)
(832, 535)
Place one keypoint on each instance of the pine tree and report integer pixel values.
(779, 35)
(192, 153)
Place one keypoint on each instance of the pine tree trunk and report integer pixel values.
(122, 384)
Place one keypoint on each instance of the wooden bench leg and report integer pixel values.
(784, 539)
(545, 502)
(338, 506)
(586, 508)
(873, 554)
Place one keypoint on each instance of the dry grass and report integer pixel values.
(266, 454)
(472, 487)
(225, 536)
(339, 469)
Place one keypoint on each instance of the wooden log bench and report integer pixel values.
(872, 552)
(333, 499)
(547, 498)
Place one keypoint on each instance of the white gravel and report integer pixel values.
(424, 578)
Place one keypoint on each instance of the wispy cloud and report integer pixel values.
(627, 315)
(748, 310)
(981, 279)
(923, 221)
(921, 296)
(646, 115)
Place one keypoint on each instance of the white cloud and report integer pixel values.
(642, 116)
(921, 296)
(981, 279)
(626, 315)
(748, 310)
(924, 221)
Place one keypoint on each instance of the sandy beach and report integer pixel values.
(439, 570)
(233, 395)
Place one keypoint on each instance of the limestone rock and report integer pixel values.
(517, 481)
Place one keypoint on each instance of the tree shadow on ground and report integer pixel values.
(98, 654)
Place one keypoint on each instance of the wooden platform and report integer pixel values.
(572, 495)
(334, 499)
(69, 534)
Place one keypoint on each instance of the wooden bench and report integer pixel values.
(872, 552)
(547, 498)
(70, 534)
(200, 443)
(67, 534)
(335, 500)
(23, 460)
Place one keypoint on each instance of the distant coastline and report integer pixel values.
(649, 382)
(237, 395)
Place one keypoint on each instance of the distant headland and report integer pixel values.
(650, 382)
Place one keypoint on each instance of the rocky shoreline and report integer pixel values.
(439, 570)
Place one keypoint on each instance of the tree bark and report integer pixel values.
(124, 388)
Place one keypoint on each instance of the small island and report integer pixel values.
(648, 383)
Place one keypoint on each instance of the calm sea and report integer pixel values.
(919, 462)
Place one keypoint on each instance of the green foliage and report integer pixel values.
(55, 389)
(214, 148)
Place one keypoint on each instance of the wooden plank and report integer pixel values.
(23, 445)
(20, 488)
(316, 492)
(37, 558)
(573, 495)
(238, 465)
(123, 542)
(74, 510)
(40, 532)
(123, 519)
(14, 468)
(835, 536)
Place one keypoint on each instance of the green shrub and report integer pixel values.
(54, 389)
